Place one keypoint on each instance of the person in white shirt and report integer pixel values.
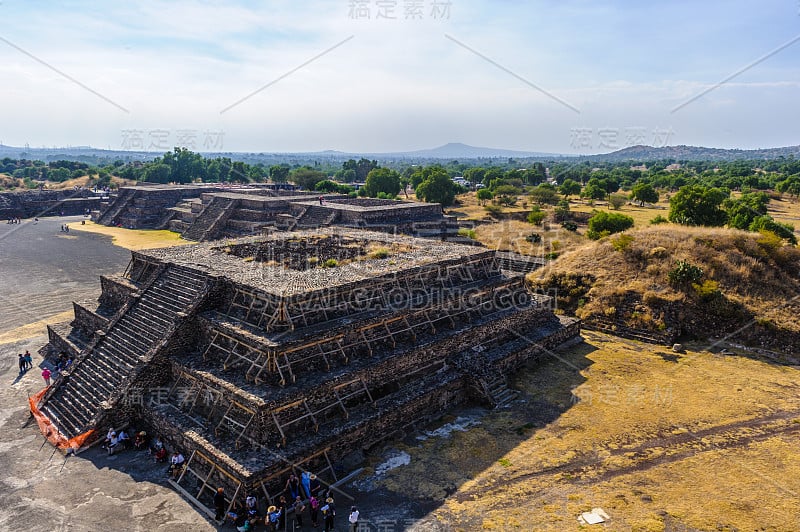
(353, 519)
(176, 464)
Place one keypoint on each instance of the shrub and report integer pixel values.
(685, 274)
(658, 220)
(469, 233)
(622, 242)
(608, 221)
(494, 209)
(534, 238)
(536, 216)
(381, 253)
(330, 263)
(569, 226)
(706, 289)
(617, 200)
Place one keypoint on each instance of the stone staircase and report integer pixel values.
(123, 200)
(211, 220)
(102, 375)
(316, 216)
(499, 394)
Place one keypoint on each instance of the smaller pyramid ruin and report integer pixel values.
(294, 351)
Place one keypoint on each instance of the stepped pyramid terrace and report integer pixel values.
(208, 212)
(292, 351)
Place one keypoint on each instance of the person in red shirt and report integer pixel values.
(46, 376)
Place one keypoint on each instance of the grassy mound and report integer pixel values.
(732, 283)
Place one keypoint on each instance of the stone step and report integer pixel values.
(144, 325)
(122, 339)
(130, 353)
(66, 424)
(77, 405)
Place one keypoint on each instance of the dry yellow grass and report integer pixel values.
(748, 269)
(661, 442)
(33, 329)
(134, 239)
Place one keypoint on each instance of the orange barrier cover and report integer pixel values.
(49, 430)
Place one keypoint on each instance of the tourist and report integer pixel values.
(22, 365)
(274, 518)
(124, 439)
(176, 465)
(28, 359)
(305, 481)
(140, 440)
(282, 507)
(160, 456)
(251, 504)
(113, 443)
(46, 376)
(353, 519)
(293, 486)
(299, 508)
(236, 514)
(314, 486)
(313, 503)
(328, 513)
(156, 446)
(320, 200)
(219, 504)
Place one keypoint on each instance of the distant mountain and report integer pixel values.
(692, 153)
(451, 151)
(457, 150)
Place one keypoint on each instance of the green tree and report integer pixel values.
(743, 210)
(383, 180)
(157, 173)
(767, 223)
(605, 223)
(569, 188)
(698, 205)
(537, 215)
(279, 173)
(306, 177)
(437, 188)
(644, 193)
(544, 194)
(484, 195)
(595, 189)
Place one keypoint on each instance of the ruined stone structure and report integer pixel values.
(42, 203)
(235, 214)
(294, 351)
(153, 206)
(210, 212)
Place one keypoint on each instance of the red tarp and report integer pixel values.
(51, 432)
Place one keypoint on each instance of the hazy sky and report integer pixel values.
(553, 76)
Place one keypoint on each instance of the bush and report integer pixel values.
(534, 238)
(381, 253)
(658, 220)
(493, 209)
(569, 226)
(608, 223)
(617, 201)
(536, 216)
(622, 242)
(706, 289)
(685, 274)
(469, 233)
(330, 263)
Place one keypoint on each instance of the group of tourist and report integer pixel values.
(25, 362)
(63, 362)
(13, 220)
(305, 494)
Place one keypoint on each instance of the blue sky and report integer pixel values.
(611, 74)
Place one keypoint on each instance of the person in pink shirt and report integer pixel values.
(46, 376)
